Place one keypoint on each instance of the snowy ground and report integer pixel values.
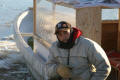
(12, 65)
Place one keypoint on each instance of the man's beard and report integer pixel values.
(69, 44)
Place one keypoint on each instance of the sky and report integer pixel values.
(9, 9)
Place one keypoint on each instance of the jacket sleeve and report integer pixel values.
(98, 58)
(51, 65)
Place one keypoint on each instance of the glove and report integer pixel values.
(64, 71)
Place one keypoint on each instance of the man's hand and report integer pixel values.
(64, 71)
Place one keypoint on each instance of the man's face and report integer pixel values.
(63, 35)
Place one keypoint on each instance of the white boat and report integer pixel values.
(35, 59)
(43, 32)
(25, 22)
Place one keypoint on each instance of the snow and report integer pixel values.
(9, 54)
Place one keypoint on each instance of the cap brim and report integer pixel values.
(64, 29)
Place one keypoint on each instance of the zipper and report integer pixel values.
(68, 60)
(68, 57)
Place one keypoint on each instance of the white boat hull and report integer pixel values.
(36, 64)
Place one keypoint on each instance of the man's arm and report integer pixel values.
(51, 65)
(98, 58)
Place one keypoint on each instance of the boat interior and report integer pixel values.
(110, 44)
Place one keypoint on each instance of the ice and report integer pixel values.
(12, 66)
(9, 54)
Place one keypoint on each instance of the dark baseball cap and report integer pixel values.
(63, 25)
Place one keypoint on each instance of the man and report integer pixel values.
(74, 57)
